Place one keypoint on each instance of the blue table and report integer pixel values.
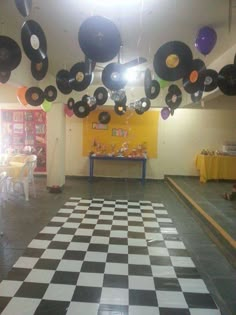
(92, 158)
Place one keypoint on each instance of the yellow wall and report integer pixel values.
(136, 130)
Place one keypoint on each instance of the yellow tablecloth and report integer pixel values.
(11, 170)
(216, 167)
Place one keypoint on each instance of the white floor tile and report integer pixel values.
(21, 306)
(143, 310)
(80, 308)
(179, 261)
(175, 245)
(39, 244)
(90, 279)
(9, 287)
(63, 237)
(26, 262)
(163, 272)
(78, 246)
(193, 285)
(171, 299)
(95, 256)
(158, 251)
(53, 254)
(40, 276)
(141, 283)
(138, 259)
(59, 292)
(116, 269)
(50, 230)
(118, 249)
(115, 296)
(70, 265)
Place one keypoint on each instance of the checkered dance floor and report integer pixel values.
(106, 257)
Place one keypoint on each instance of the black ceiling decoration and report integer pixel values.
(10, 54)
(172, 61)
(33, 41)
(99, 39)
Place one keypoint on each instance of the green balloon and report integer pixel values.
(46, 106)
(163, 83)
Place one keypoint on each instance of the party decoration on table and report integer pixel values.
(50, 93)
(193, 81)
(174, 97)
(70, 103)
(39, 69)
(21, 95)
(210, 81)
(62, 81)
(78, 80)
(104, 117)
(69, 112)
(4, 76)
(81, 109)
(206, 40)
(46, 106)
(120, 109)
(99, 39)
(172, 61)
(165, 113)
(10, 53)
(34, 96)
(142, 105)
(196, 97)
(33, 41)
(24, 7)
(101, 95)
(227, 80)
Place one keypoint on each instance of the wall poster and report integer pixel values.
(24, 131)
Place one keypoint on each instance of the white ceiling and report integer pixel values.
(144, 26)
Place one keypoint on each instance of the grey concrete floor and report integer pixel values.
(21, 221)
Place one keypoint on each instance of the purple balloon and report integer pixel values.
(165, 113)
(206, 40)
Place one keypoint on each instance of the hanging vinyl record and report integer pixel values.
(174, 97)
(90, 101)
(210, 80)
(147, 82)
(123, 101)
(39, 69)
(10, 54)
(196, 97)
(194, 80)
(70, 103)
(81, 109)
(104, 118)
(154, 91)
(172, 61)
(33, 41)
(99, 39)
(62, 81)
(113, 76)
(4, 76)
(78, 80)
(120, 109)
(50, 93)
(227, 80)
(34, 96)
(101, 95)
(24, 7)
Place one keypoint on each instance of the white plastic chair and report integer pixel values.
(26, 176)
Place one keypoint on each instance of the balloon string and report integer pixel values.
(140, 24)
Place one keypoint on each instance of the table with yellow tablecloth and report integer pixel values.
(216, 167)
(12, 170)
